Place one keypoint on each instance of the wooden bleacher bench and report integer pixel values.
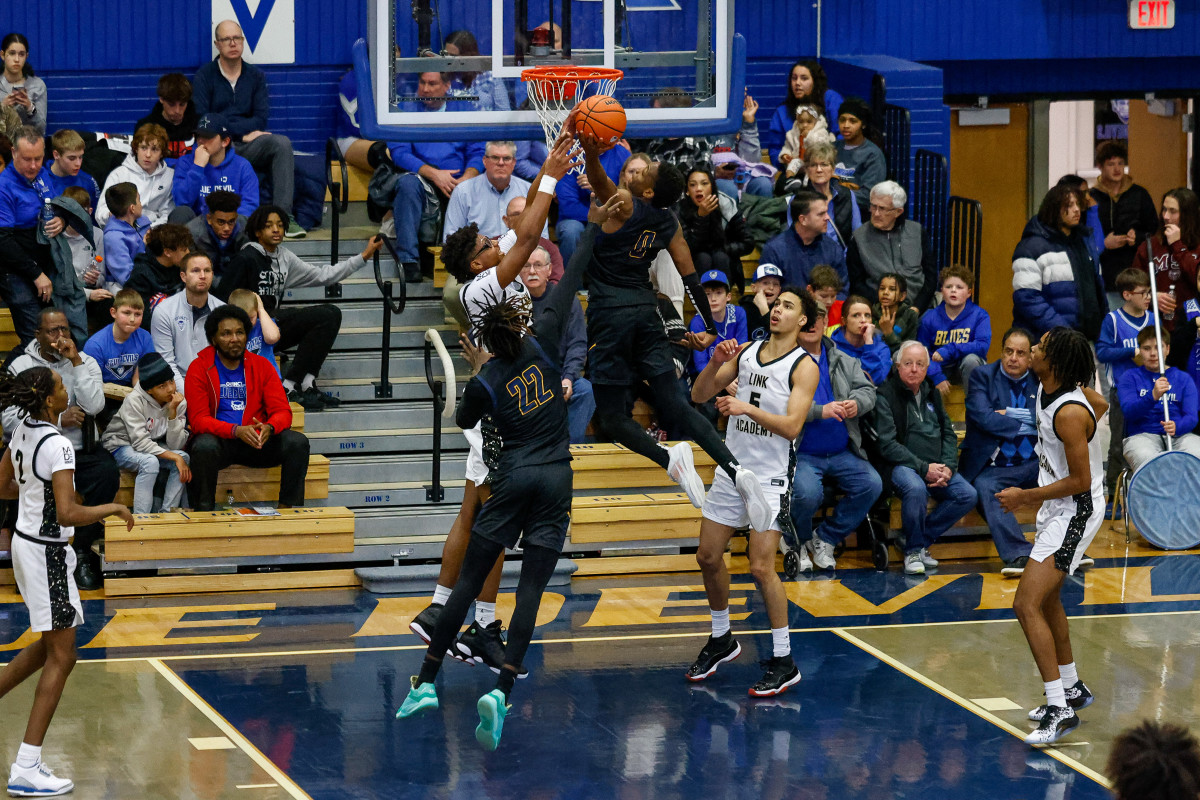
(8, 334)
(250, 484)
(612, 466)
(633, 517)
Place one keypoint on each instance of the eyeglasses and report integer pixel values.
(487, 243)
(501, 159)
(231, 40)
(1141, 292)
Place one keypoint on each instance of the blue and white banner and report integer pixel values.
(269, 27)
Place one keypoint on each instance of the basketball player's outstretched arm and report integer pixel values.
(804, 385)
(537, 208)
(1074, 426)
(720, 371)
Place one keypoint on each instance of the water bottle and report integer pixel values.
(1168, 316)
(229, 501)
(47, 214)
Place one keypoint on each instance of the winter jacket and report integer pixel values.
(1143, 413)
(1174, 265)
(122, 243)
(270, 275)
(895, 408)
(875, 358)
(83, 383)
(970, 333)
(154, 190)
(234, 174)
(874, 253)
(219, 251)
(266, 401)
(715, 233)
(35, 88)
(178, 333)
(1056, 282)
(849, 382)
(153, 282)
(988, 391)
(141, 423)
(1130, 207)
(789, 252)
(246, 106)
(784, 118)
(904, 327)
(180, 138)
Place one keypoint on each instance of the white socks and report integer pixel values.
(720, 622)
(28, 755)
(781, 642)
(1068, 674)
(1055, 694)
(440, 595)
(308, 381)
(485, 613)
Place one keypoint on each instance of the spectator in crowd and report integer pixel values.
(806, 243)
(264, 333)
(713, 227)
(807, 85)
(356, 150)
(24, 261)
(1000, 449)
(577, 390)
(221, 232)
(239, 414)
(145, 169)
(96, 474)
(212, 166)
(178, 325)
(20, 89)
(1055, 280)
(433, 170)
(1126, 213)
(826, 286)
(1117, 352)
(484, 199)
(118, 347)
(895, 318)
(155, 274)
(530, 157)
(730, 324)
(238, 91)
(1091, 212)
(957, 332)
(269, 270)
(857, 337)
(1141, 391)
(795, 142)
(175, 113)
(1176, 257)
(148, 435)
(890, 242)
(1155, 761)
(124, 235)
(491, 91)
(861, 164)
(756, 304)
(844, 214)
(830, 451)
(574, 195)
(917, 444)
(66, 168)
(87, 259)
(68, 294)
(1192, 312)
(516, 207)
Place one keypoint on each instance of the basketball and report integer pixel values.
(603, 117)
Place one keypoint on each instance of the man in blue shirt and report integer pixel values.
(484, 199)
(24, 261)
(806, 244)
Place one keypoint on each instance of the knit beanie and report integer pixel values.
(856, 107)
(153, 370)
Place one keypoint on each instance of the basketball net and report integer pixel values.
(555, 90)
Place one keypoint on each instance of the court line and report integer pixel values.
(969, 706)
(268, 766)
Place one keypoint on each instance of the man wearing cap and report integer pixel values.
(211, 166)
(756, 304)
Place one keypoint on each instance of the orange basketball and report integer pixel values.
(603, 117)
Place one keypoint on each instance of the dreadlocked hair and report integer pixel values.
(502, 325)
(1070, 357)
(29, 391)
(458, 250)
(1155, 761)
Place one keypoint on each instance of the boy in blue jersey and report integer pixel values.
(118, 347)
(264, 333)
(957, 332)
(1142, 390)
(211, 166)
(66, 169)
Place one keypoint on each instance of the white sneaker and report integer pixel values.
(36, 781)
(823, 553)
(762, 518)
(1086, 561)
(912, 563)
(929, 561)
(682, 469)
(806, 564)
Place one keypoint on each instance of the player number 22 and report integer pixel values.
(530, 390)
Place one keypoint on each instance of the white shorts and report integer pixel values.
(724, 506)
(1065, 537)
(45, 575)
(477, 471)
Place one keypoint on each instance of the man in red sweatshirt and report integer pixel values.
(239, 414)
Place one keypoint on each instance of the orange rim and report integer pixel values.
(564, 73)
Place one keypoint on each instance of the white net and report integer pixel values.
(554, 94)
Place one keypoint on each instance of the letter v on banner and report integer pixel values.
(268, 25)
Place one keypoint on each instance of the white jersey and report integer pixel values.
(484, 290)
(769, 386)
(38, 451)
(1052, 458)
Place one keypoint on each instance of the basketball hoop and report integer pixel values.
(555, 90)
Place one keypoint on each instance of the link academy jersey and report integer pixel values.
(768, 386)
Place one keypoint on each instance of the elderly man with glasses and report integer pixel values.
(484, 199)
(891, 243)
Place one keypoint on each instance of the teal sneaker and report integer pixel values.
(492, 709)
(420, 698)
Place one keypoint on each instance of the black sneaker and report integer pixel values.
(86, 577)
(1078, 696)
(1015, 568)
(324, 399)
(484, 645)
(1057, 723)
(716, 651)
(781, 672)
(424, 623)
(305, 398)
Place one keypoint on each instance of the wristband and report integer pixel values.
(507, 241)
(547, 184)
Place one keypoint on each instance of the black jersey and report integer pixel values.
(619, 273)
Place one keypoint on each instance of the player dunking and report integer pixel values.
(1071, 491)
(776, 380)
(626, 340)
(38, 470)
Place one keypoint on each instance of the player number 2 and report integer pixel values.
(19, 459)
(530, 390)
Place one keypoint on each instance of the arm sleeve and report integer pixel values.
(456, 212)
(574, 343)
(301, 273)
(177, 429)
(871, 171)
(981, 340)
(135, 427)
(41, 104)
(527, 167)
(571, 202)
(88, 386)
(248, 188)
(185, 187)
(473, 157)
(1028, 295)
(894, 453)
(949, 442)
(772, 138)
(164, 342)
(404, 157)
(118, 259)
(877, 361)
(1134, 406)
(748, 147)
(1108, 349)
(691, 284)
(474, 404)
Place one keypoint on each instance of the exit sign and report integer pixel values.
(1149, 15)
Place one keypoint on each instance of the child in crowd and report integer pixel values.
(957, 332)
(264, 333)
(1141, 391)
(149, 433)
(730, 323)
(825, 285)
(88, 260)
(1192, 309)
(857, 337)
(145, 169)
(66, 168)
(118, 347)
(810, 128)
(756, 305)
(1117, 350)
(893, 315)
(124, 234)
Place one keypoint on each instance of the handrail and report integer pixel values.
(340, 195)
(435, 338)
(434, 493)
(397, 306)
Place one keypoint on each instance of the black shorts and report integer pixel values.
(627, 345)
(532, 504)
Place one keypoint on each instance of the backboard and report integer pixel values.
(682, 53)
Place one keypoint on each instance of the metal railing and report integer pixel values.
(964, 235)
(444, 396)
(391, 305)
(339, 194)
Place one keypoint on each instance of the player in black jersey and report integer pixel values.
(521, 387)
(626, 340)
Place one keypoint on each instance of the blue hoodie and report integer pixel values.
(968, 333)
(876, 358)
(122, 242)
(193, 184)
(21, 200)
(1143, 413)
(1117, 344)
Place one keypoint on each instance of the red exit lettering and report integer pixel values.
(1152, 14)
